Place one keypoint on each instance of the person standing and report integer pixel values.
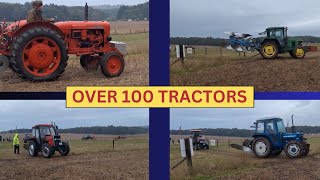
(16, 144)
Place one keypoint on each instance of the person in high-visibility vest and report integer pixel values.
(16, 144)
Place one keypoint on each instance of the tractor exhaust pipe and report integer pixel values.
(86, 12)
(293, 128)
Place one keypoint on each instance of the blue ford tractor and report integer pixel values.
(271, 138)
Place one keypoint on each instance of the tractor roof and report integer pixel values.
(46, 125)
(195, 130)
(267, 119)
(276, 28)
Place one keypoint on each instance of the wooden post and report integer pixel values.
(229, 143)
(130, 31)
(115, 31)
(188, 152)
(220, 51)
(144, 30)
(113, 144)
(217, 142)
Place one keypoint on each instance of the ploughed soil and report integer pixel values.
(124, 165)
(281, 74)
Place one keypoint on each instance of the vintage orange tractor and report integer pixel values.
(38, 51)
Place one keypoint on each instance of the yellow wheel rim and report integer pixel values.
(269, 50)
(299, 52)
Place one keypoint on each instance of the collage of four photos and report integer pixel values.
(47, 46)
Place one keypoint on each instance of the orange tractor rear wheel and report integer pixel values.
(39, 54)
(112, 64)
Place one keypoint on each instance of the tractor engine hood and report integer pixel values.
(67, 26)
(296, 135)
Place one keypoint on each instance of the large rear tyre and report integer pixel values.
(46, 150)
(32, 149)
(89, 63)
(112, 64)
(293, 149)
(261, 147)
(64, 149)
(269, 50)
(39, 54)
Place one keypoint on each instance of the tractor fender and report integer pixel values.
(43, 24)
(274, 40)
(264, 136)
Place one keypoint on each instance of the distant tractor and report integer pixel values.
(198, 140)
(44, 138)
(38, 51)
(276, 42)
(88, 137)
(271, 138)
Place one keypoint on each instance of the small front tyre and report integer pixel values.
(112, 64)
(294, 149)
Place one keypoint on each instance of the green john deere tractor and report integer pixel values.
(277, 42)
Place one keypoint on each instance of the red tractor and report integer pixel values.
(38, 51)
(45, 139)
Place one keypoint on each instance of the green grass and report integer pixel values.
(129, 38)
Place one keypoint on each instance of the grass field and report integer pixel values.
(281, 74)
(223, 162)
(92, 159)
(136, 70)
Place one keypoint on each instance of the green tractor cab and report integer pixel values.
(277, 42)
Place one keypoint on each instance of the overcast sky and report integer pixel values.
(82, 2)
(25, 114)
(210, 18)
(305, 113)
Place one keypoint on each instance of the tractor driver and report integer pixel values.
(35, 14)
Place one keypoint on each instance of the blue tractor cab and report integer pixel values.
(271, 138)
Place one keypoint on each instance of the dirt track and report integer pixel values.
(282, 74)
(307, 168)
(135, 73)
(124, 165)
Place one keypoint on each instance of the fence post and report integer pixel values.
(130, 31)
(229, 143)
(115, 31)
(220, 51)
(113, 144)
(188, 152)
(144, 30)
(217, 142)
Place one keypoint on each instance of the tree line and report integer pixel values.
(210, 41)
(113, 130)
(15, 11)
(242, 132)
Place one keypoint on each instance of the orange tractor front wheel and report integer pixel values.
(112, 64)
